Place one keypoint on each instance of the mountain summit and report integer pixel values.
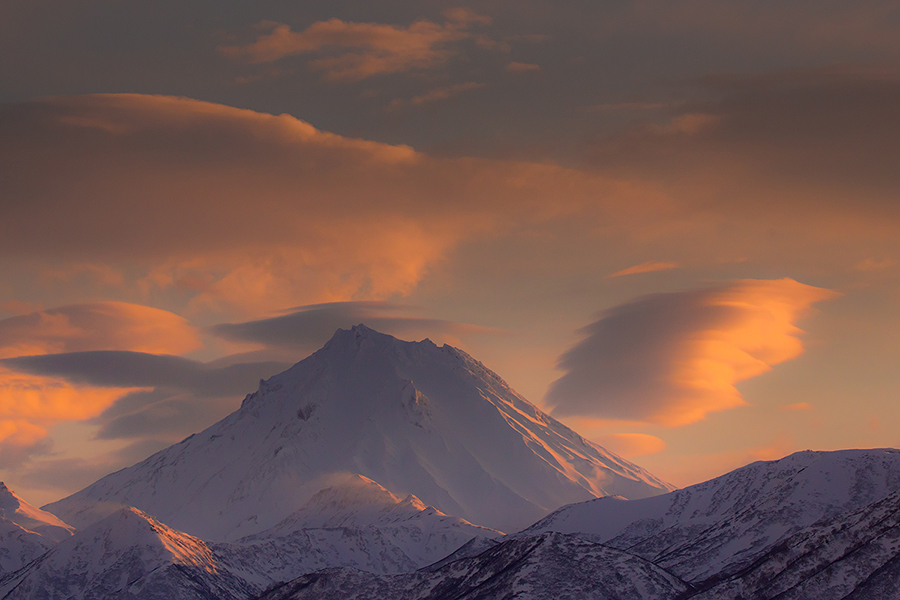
(412, 416)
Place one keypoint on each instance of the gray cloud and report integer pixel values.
(186, 395)
(789, 142)
(308, 327)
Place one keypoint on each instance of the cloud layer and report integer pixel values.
(673, 358)
(169, 395)
(248, 212)
(354, 51)
(31, 403)
(97, 326)
(308, 327)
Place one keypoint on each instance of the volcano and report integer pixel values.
(415, 418)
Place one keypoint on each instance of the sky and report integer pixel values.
(673, 226)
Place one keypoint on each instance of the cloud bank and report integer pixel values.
(32, 402)
(247, 212)
(673, 358)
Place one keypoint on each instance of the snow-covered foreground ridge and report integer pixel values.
(26, 531)
(411, 416)
(724, 524)
(811, 526)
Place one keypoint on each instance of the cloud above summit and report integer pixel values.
(673, 358)
(308, 327)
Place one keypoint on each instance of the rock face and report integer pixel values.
(26, 531)
(546, 566)
(413, 417)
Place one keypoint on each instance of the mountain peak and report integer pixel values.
(15, 509)
(8, 500)
(409, 417)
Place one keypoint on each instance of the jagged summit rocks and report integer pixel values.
(412, 416)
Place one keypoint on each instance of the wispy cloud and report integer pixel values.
(337, 218)
(442, 93)
(646, 267)
(354, 51)
(673, 358)
(627, 106)
(797, 407)
(520, 67)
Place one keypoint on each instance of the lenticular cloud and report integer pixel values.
(673, 358)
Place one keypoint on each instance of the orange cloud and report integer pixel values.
(870, 264)
(519, 67)
(630, 445)
(250, 212)
(361, 50)
(672, 358)
(31, 404)
(647, 267)
(98, 326)
(446, 92)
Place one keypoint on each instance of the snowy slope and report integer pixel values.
(126, 556)
(357, 523)
(131, 555)
(414, 417)
(14, 509)
(541, 567)
(723, 524)
(853, 556)
(26, 532)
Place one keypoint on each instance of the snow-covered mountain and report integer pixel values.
(26, 531)
(722, 525)
(811, 526)
(129, 554)
(855, 556)
(126, 556)
(541, 567)
(355, 523)
(413, 417)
